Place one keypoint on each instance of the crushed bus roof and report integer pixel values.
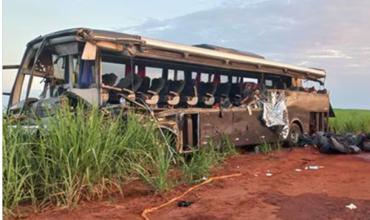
(203, 50)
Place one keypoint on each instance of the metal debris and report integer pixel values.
(351, 206)
(337, 143)
(275, 113)
(268, 173)
(184, 203)
(312, 167)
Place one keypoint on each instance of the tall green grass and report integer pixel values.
(349, 120)
(197, 166)
(84, 155)
(79, 155)
(17, 170)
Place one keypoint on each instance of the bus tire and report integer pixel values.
(295, 132)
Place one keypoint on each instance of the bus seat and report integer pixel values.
(125, 82)
(130, 84)
(137, 82)
(109, 79)
(152, 94)
(248, 88)
(207, 92)
(235, 94)
(222, 94)
(189, 95)
(145, 84)
(175, 87)
(157, 85)
(163, 94)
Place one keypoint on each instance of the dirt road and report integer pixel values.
(291, 192)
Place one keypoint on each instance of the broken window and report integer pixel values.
(60, 67)
(269, 83)
(118, 69)
(153, 72)
(171, 74)
(252, 80)
(224, 79)
(234, 79)
(37, 86)
(194, 75)
(204, 77)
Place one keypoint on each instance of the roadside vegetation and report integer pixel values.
(349, 120)
(86, 155)
(268, 147)
(197, 167)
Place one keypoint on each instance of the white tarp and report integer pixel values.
(275, 112)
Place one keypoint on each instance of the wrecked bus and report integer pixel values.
(196, 93)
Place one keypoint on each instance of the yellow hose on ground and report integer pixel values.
(149, 210)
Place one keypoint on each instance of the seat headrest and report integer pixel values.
(109, 79)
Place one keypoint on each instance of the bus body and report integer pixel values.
(197, 93)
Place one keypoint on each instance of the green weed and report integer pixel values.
(348, 120)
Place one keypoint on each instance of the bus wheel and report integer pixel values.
(294, 134)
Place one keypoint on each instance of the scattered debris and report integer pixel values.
(298, 170)
(257, 149)
(152, 209)
(184, 203)
(351, 206)
(334, 143)
(312, 167)
(268, 173)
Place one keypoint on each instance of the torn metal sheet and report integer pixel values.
(275, 112)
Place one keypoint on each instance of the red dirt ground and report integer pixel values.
(287, 194)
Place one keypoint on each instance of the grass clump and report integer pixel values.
(17, 170)
(199, 163)
(160, 162)
(79, 155)
(267, 147)
(350, 120)
(85, 154)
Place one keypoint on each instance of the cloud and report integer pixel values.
(329, 54)
(244, 4)
(335, 37)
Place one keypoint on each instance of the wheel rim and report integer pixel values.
(294, 135)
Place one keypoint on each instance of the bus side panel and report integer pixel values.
(249, 129)
(310, 109)
(239, 125)
(214, 125)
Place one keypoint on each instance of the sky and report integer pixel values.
(332, 36)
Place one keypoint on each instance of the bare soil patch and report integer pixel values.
(291, 192)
